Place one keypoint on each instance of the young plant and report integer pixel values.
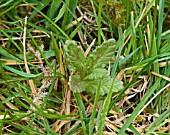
(91, 70)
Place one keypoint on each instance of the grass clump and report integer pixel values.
(84, 67)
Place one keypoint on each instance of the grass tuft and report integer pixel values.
(84, 67)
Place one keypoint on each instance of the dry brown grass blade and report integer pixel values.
(121, 74)
(68, 92)
(81, 39)
(68, 99)
(89, 48)
(14, 62)
(66, 103)
(58, 127)
(62, 70)
(108, 133)
(31, 83)
(161, 76)
(163, 64)
(19, 38)
(75, 22)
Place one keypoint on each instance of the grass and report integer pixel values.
(35, 83)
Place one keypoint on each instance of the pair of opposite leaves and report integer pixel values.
(91, 70)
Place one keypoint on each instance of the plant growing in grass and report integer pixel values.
(91, 70)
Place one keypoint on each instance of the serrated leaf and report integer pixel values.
(91, 70)
(90, 85)
(75, 56)
(97, 73)
(76, 84)
(102, 54)
(105, 85)
(118, 85)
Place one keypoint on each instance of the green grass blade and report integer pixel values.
(69, 11)
(56, 48)
(43, 103)
(76, 128)
(108, 98)
(72, 8)
(128, 8)
(134, 130)
(61, 13)
(139, 107)
(48, 20)
(134, 46)
(82, 111)
(20, 72)
(16, 45)
(99, 21)
(40, 6)
(50, 131)
(6, 3)
(11, 7)
(64, 22)
(53, 8)
(99, 113)
(160, 22)
(91, 123)
(40, 51)
(133, 80)
(75, 31)
(129, 56)
(9, 55)
(158, 122)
